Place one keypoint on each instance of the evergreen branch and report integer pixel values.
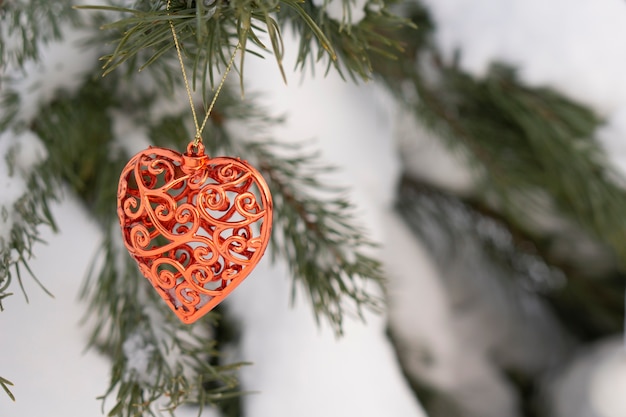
(546, 152)
(158, 362)
(27, 25)
(574, 286)
(311, 24)
(318, 236)
(314, 227)
(355, 46)
(25, 217)
(446, 223)
(204, 32)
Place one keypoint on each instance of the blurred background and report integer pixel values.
(485, 162)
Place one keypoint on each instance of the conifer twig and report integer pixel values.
(27, 25)
(5, 383)
(526, 144)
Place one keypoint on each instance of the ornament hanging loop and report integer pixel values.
(194, 159)
(195, 144)
(199, 128)
(195, 149)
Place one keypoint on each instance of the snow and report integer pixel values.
(58, 69)
(43, 345)
(424, 156)
(593, 383)
(138, 352)
(456, 324)
(301, 369)
(612, 136)
(131, 137)
(344, 11)
(608, 384)
(576, 47)
(579, 52)
(432, 340)
(26, 152)
(428, 337)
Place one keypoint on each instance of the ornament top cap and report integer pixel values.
(194, 158)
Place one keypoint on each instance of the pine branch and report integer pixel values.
(206, 32)
(322, 242)
(27, 25)
(9, 103)
(314, 227)
(158, 362)
(24, 217)
(323, 246)
(526, 144)
(357, 46)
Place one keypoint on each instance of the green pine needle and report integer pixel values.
(5, 384)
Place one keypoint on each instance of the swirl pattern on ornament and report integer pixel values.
(195, 225)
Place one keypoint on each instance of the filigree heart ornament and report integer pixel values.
(196, 226)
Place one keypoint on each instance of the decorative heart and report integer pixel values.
(196, 226)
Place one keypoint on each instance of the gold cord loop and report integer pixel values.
(199, 128)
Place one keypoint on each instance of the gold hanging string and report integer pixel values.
(199, 128)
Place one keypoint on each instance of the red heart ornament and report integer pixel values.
(195, 225)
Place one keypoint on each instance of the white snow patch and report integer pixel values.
(437, 346)
(350, 12)
(26, 152)
(414, 281)
(190, 411)
(63, 65)
(608, 384)
(300, 368)
(131, 137)
(138, 353)
(592, 384)
(425, 157)
(575, 46)
(43, 344)
(31, 151)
